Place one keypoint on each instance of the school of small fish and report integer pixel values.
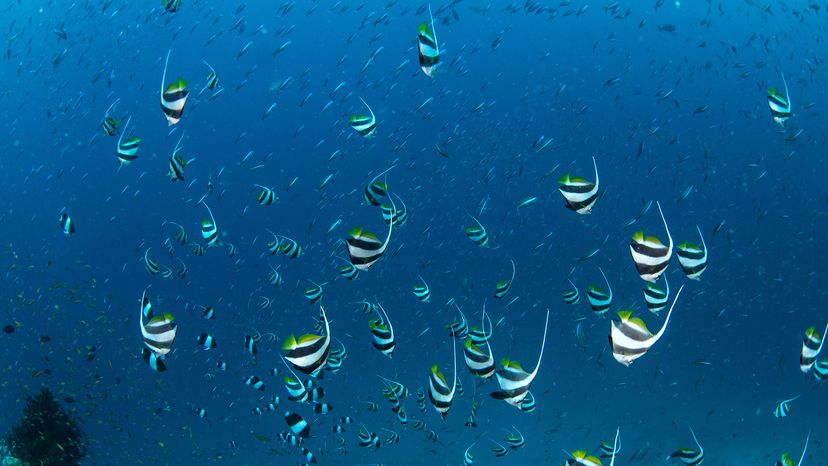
(297, 362)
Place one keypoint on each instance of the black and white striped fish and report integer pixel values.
(127, 151)
(692, 257)
(783, 408)
(629, 337)
(393, 214)
(514, 382)
(376, 189)
(468, 458)
(529, 403)
(171, 6)
(780, 106)
(499, 450)
(439, 393)
(209, 230)
(289, 247)
(110, 124)
(428, 49)
(174, 97)
(313, 293)
(364, 249)
(477, 234)
(273, 277)
(503, 286)
(206, 341)
(572, 296)
(516, 440)
(422, 291)
(208, 312)
(364, 125)
(159, 331)
(609, 450)
(650, 255)
(212, 77)
(689, 456)
(177, 163)
(250, 343)
(347, 271)
(67, 225)
(152, 267)
(655, 297)
(180, 235)
(153, 360)
(297, 391)
(382, 332)
(297, 424)
(821, 369)
(255, 382)
(309, 353)
(580, 195)
(481, 336)
(599, 300)
(811, 347)
(368, 439)
(396, 388)
(198, 250)
(266, 196)
(480, 363)
(182, 271)
(459, 328)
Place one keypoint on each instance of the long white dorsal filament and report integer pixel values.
(371, 111)
(454, 355)
(615, 446)
(609, 288)
(164, 76)
(388, 321)
(669, 237)
(141, 309)
(513, 271)
(434, 31)
(381, 250)
(178, 146)
(540, 356)
(110, 107)
(704, 246)
(701, 450)
(787, 96)
(382, 172)
(667, 320)
(804, 449)
(123, 131)
(213, 219)
(595, 165)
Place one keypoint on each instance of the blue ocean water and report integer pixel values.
(670, 98)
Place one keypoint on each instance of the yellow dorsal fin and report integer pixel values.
(308, 337)
(510, 364)
(654, 240)
(638, 322)
(289, 343)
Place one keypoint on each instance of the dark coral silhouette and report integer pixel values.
(47, 435)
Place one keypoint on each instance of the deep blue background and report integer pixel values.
(766, 265)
